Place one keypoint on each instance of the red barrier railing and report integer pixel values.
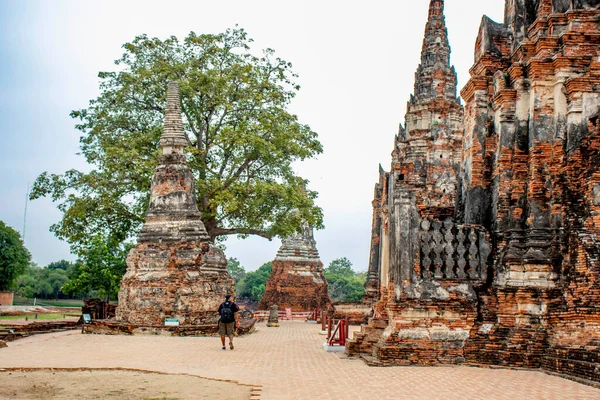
(337, 332)
(261, 315)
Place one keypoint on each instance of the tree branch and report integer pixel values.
(241, 231)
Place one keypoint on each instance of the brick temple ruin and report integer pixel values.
(486, 230)
(297, 279)
(174, 271)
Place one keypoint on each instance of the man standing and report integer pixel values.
(228, 320)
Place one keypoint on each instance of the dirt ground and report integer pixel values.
(107, 384)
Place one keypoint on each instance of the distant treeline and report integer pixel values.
(46, 282)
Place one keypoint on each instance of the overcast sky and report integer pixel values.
(356, 61)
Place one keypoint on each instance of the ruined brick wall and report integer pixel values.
(429, 331)
(6, 298)
(173, 280)
(530, 95)
(299, 285)
(574, 337)
(357, 313)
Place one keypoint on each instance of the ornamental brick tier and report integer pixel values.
(173, 271)
(297, 279)
(486, 244)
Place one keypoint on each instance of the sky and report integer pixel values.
(355, 60)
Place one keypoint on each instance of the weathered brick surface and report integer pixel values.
(356, 313)
(529, 177)
(174, 271)
(297, 279)
(6, 298)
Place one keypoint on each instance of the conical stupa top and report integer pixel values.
(300, 246)
(172, 213)
(173, 139)
(435, 42)
(435, 57)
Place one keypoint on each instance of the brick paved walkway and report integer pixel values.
(290, 364)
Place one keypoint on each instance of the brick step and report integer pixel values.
(371, 361)
(359, 335)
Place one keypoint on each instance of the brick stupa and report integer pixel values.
(174, 271)
(297, 279)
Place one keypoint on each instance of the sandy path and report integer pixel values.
(289, 363)
(122, 385)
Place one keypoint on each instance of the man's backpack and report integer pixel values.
(227, 313)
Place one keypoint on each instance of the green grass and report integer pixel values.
(40, 316)
(24, 301)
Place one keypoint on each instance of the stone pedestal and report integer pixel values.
(273, 321)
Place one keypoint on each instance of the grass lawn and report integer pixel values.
(24, 301)
(40, 316)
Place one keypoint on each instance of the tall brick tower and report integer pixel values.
(426, 156)
(425, 160)
(174, 271)
(297, 279)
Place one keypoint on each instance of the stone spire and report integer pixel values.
(173, 138)
(434, 77)
(172, 212)
(300, 246)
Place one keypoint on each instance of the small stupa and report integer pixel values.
(174, 272)
(297, 279)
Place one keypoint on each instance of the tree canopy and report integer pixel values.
(235, 269)
(14, 257)
(253, 285)
(343, 282)
(243, 141)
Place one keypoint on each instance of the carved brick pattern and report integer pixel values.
(450, 251)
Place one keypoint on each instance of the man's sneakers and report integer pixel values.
(231, 345)
(223, 348)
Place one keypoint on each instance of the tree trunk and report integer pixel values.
(211, 226)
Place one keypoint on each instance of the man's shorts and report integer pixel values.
(226, 328)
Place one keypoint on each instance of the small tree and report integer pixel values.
(340, 266)
(14, 257)
(252, 286)
(235, 269)
(343, 282)
(101, 266)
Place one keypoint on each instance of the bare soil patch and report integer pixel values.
(114, 384)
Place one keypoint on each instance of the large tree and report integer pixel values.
(14, 257)
(243, 141)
